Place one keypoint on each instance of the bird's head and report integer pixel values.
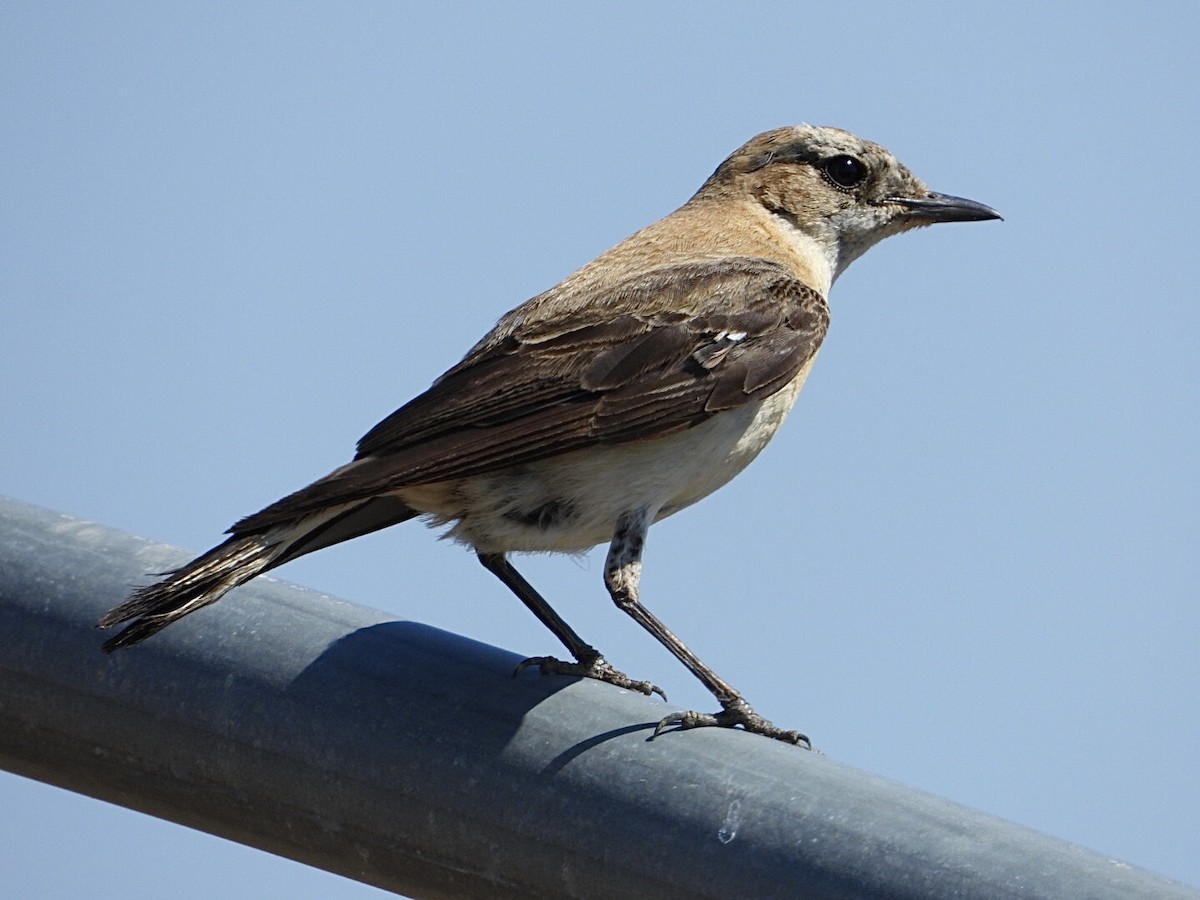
(843, 192)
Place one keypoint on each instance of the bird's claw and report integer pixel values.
(735, 713)
(598, 668)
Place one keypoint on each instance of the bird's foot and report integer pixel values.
(735, 712)
(591, 667)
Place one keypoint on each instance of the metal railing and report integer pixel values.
(408, 758)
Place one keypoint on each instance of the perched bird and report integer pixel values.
(635, 387)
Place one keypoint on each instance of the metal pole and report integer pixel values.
(408, 758)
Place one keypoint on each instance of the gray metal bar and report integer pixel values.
(408, 758)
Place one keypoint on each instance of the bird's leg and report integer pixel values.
(588, 661)
(622, 572)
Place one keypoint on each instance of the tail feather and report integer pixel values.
(208, 577)
(202, 581)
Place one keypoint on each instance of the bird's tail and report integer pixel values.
(259, 543)
(202, 581)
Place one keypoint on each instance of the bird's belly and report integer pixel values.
(572, 502)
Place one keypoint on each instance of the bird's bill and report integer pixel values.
(935, 207)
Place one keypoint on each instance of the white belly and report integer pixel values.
(570, 503)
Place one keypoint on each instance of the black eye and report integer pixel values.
(844, 171)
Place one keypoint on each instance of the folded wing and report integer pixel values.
(692, 340)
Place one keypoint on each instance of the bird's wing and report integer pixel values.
(651, 355)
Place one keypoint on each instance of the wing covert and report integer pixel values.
(691, 340)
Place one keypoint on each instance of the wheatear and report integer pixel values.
(635, 387)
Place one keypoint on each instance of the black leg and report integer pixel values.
(588, 661)
(622, 573)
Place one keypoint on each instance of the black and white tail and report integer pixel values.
(202, 581)
(259, 543)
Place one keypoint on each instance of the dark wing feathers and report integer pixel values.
(637, 358)
(692, 340)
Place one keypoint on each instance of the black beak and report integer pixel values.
(935, 207)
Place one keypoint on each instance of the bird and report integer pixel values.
(635, 387)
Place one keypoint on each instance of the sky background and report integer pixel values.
(234, 236)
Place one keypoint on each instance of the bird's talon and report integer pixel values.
(735, 713)
(598, 668)
(684, 721)
(533, 662)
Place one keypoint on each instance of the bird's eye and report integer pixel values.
(844, 171)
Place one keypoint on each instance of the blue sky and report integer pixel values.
(234, 236)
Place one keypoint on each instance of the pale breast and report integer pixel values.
(571, 502)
